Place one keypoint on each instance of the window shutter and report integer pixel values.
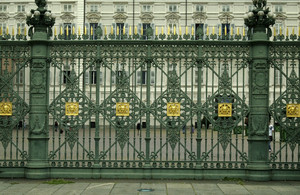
(86, 77)
(101, 78)
(152, 77)
(153, 29)
(113, 77)
(233, 29)
(139, 28)
(126, 29)
(139, 75)
(114, 28)
(205, 30)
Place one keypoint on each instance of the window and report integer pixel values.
(171, 26)
(199, 8)
(196, 77)
(66, 76)
(278, 8)
(22, 28)
(277, 28)
(277, 77)
(94, 8)
(145, 27)
(3, 27)
(68, 8)
(146, 8)
(21, 8)
(20, 77)
(172, 8)
(93, 77)
(94, 26)
(67, 26)
(199, 29)
(3, 8)
(227, 25)
(120, 8)
(142, 77)
(120, 27)
(226, 8)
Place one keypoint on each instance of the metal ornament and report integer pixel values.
(5, 108)
(72, 108)
(225, 109)
(293, 110)
(173, 109)
(122, 109)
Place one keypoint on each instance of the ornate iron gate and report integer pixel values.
(123, 106)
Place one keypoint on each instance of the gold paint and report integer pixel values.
(5, 108)
(224, 109)
(72, 108)
(122, 109)
(293, 110)
(173, 109)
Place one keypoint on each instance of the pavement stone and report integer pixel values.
(286, 189)
(233, 189)
(19, 188)
(261, 189)
(99, 188)
(180, 188)
(125, 188)
(207, 189)
(72, 188)
(159, 188)
(44, 189)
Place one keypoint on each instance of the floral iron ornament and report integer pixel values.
(40, 19)
(259, 16)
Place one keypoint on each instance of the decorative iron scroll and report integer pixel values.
(122, 109)
(72, 108)
(5, 108)
(293, 110)
(173, 109)
(225, 109)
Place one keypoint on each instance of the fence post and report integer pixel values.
(258, 21)
(41, 21)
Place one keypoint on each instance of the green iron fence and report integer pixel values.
(126, 106)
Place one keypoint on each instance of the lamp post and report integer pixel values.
(258, 20)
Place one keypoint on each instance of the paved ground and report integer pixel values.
(150, 187)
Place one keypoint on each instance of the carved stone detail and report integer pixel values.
(199, 17)
(67, 17)
(146, 17)
(120, 18)
(280, 17)
(3, 17)
(93, 17)
(226, 17)
(172, 18)
(20, 17)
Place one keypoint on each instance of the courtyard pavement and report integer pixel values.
(148, 187)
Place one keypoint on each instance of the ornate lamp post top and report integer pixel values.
(40, 19)
(260, 16)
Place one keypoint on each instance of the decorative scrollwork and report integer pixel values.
(293, 110)
(122, 109)
(224, 109)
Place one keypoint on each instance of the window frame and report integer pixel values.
(2, 8)
(120, 8)
(94, 8)
(20, 8)
(171, 8)
(68, 8)
(146, 10)
(225, 8)
(199, 5)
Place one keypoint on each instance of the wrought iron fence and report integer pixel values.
(149, 105)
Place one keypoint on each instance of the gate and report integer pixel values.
(149, 106)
